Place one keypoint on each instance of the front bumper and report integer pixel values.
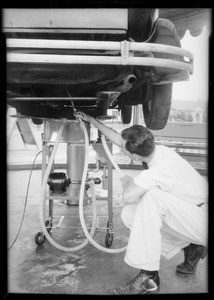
(115, 53)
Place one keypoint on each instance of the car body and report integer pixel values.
(93, 60)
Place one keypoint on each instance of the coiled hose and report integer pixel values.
(91, 240)
(81, 199)
(43, 198)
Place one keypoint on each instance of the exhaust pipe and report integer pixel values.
(127, 83)
(130, 80)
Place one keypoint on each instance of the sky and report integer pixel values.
(197, 87)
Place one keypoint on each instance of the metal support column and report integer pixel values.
(51, 201)
(44, 153)
(110, 193)
(75, 166)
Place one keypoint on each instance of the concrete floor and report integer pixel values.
(45, 269)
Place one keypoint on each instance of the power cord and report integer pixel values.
(25, 200)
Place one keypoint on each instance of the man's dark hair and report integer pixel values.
(140, 140)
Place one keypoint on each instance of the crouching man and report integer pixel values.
(165, 208)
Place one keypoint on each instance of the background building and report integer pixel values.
(188, 111)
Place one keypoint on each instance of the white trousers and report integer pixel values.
(162, 224)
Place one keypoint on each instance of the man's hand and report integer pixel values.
(83, 116)
(131, 192)
(111, 134)
(126, 181)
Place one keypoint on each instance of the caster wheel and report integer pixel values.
(48, 225)
(39, 238)
(109, 239)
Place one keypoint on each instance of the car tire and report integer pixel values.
(126, 114)
(156, 107)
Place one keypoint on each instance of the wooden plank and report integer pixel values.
(10, 128)
(26, 132)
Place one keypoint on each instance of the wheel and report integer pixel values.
(108, 239)
(156, 107)
(126, 114)
(39, 238)
(48, 226)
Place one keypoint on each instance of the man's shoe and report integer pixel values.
(192, 254)
(146, 282)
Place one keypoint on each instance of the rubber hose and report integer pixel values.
(110, 156)
(81, 216)
(43, 191)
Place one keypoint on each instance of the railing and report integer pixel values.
(183, 132)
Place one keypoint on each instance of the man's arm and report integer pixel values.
(111, 134)
(131, 191)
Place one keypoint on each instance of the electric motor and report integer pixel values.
(58, 182)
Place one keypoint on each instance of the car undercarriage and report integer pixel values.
(96, 69)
